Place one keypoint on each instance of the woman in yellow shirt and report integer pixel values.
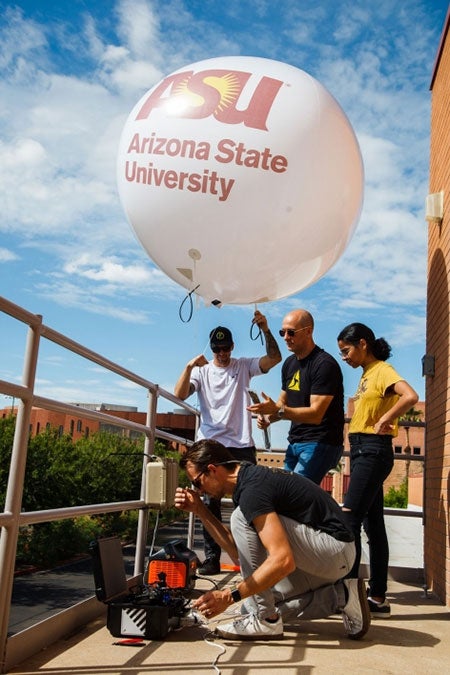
(381, 398)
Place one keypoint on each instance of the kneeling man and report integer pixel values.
(289, 538)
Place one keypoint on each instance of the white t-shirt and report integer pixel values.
(223, 399)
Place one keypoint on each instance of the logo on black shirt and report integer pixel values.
(294, 384)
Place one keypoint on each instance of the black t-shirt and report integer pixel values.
(318, 373)
(260, 490)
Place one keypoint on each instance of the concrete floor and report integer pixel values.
(414, 640)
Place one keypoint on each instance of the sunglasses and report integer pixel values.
(218, 349)
(196, 481)
(290, 331)
(346, 351)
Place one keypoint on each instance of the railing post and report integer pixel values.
(14, 491)
(149, 446)
(191, 523)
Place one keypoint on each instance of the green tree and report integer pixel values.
(108, 467)
(49, 481)
(102, 468)
(412, 415)
(7, 426)
(397, 498)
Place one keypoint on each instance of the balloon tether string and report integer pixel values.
(191, 306)
(259, 333)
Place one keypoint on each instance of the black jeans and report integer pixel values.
(371, 462)
(211, 547)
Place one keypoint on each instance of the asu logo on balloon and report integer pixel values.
(241, 177)
(216, 92)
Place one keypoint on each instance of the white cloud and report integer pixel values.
(7, 256)
(110, 270)
(19, 39)
(75, 296)
(405, 332)
(138, 27)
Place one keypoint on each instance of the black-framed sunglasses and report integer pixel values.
(223, 348)
(196, 481)
(291, 331)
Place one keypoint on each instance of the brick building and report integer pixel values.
(437, 359)
(78, 426)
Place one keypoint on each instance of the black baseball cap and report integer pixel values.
(220, 336)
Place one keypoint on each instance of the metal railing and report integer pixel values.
(17, 647)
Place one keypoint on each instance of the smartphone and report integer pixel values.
(255, 399)
(254, 396)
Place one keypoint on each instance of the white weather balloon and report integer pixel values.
(242, 178)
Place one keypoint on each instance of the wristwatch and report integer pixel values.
(280, 412)
(235, 595)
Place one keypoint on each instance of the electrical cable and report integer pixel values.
(155, 531)
(211, 581)
(222, 649)
(213, 643)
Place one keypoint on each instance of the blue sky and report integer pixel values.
(71, 74)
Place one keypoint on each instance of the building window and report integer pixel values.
(398, 449)
(79, 425)
(417, 451)
(48, 425)
(60, 430)
(72, 427)
(86, 432)
(38, 427)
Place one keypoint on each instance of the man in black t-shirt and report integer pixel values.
(312, 398)
(289, 538)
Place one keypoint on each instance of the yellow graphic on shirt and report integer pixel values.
(294, 384)
(362, 388)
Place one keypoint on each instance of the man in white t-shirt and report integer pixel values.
(222, 390)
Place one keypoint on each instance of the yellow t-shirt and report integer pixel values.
(371, 400)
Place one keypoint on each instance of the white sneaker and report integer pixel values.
(250, 627)
(356, 613)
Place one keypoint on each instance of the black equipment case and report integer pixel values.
(149, 611)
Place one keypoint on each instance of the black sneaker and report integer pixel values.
(210, 566)
(379, 610)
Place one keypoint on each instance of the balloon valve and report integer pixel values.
(216, 303)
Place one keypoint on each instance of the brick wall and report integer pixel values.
(78, 426)
(436, 544)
